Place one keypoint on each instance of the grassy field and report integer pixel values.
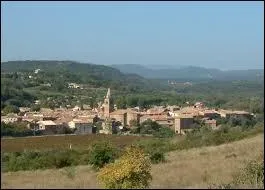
(62, 142)
(193, 168)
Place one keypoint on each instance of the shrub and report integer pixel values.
(101, 154)
(10, 109)
(157, 157)
(164, 132)
(252, 175)
(63, 159)
(132, 170)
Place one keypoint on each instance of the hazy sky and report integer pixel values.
(225, 35)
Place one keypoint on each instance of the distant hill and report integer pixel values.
(81, 73)
(191, 73)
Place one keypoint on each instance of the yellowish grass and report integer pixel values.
(199, 167)
(194, 168)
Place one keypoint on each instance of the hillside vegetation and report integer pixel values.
(193, 168)
(128, 90)
(70, 71)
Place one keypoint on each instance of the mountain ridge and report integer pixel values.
(191, 72)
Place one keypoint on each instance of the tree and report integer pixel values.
(132, 170)
(35, 107)
(164, 132)
(101, 154)
(11, 109)
(149, 127)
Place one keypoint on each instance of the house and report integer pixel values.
(46, 84)
(36, 71)
(119, 115)
(73, 85)
(230, 113)
(189, 110)
(183, 123)
(209, 113)
(210, 122)
(199, 105)
(173, 108)
(164, 120)
(156, 111)
(44, 125)
(87, 107)
(24, 109)
(11, 118)
(76, 108)
(132, 115)
(82, 127)
(89, 118)
(37, 102)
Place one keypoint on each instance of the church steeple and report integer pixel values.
(106, 105)
(108, 93)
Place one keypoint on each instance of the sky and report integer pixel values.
(224, 35)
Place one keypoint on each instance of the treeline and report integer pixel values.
(19, 129)
(60, 72)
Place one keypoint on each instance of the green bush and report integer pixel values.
(249, 177)
(157, 157)
(252, 175)
(63, 159)
(31, 160)
(102, 153)
(164, 132)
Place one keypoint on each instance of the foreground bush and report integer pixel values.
(101, 153)
(132, 170)
(32, 160)
(157, 157)
(156, 149)
(249, 177)
(252, 176)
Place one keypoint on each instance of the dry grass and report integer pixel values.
(198, 167)
(194, 168)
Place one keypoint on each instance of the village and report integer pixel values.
(82, 121)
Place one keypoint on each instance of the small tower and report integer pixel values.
(106, 104)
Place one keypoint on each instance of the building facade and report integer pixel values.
(183, 123)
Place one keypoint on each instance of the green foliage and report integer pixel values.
(18, 129)
(102, 153)
(10, 109)
(132, 170)
(249, 177)
(153, 128)
(63, 159)
(35, 107)
(164, 132)
(252, 175)
(32, 160)
(205, 136)
(157, 157)
(156, 149)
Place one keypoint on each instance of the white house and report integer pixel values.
(46, 124)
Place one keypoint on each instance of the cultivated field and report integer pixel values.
(62, 142)
(193, 168)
